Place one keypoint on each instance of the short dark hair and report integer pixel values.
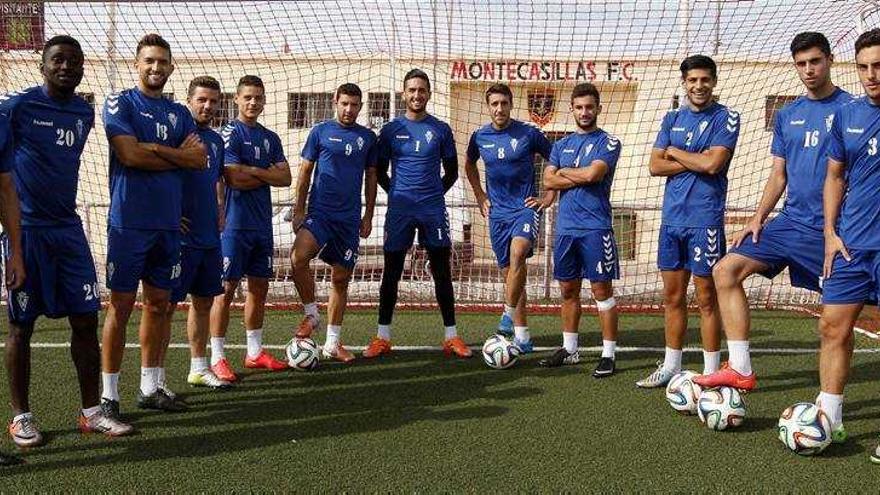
(810, 39)
(152, 39)
(249, 80)
(62, 39)
(203, 82)
(417, 74)
(868, 39)
(698, 62)
(350, 89)
(585, 89)
(499, 89)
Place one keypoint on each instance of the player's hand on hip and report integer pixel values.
(14, 272)
(752, 228)
(297, 220)
(185, 225)
(833, 246)
(366, 226)
(485, 205)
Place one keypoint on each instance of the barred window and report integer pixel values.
(307, 109)
(227, 112)
(380, 108)
(772, 105)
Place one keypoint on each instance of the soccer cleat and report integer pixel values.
(526, 347)
(159, 401)
(338, 353)
(605, 368)
(377, 347)
(306, 327)
(659, 378)
(101, 423)
(24, 432)
(876, 457)
(457, 347)
(265, 361)
(838, 434)
(559, 358)
(206, 378)
(9, 460)
(224, 371)
(110, 408)
(505, 326)
(727, 377)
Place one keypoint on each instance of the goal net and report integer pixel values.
(303, 50)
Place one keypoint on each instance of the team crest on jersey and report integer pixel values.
(175, 271)
(541, 105)
(703, 125)
(360, 143)
(173, 119)
(514, 142)
(266, 146)
(80, 127)
(829, 120)
(226, 263)
(23, 299)
(429, 136)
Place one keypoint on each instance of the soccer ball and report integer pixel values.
(500, 353)
(303, 354)
(721, 408)
(682, 393)
(805, 429)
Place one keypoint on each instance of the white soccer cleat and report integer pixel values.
(659, 378)
(206, 378)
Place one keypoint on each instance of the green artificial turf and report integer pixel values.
(417, 422)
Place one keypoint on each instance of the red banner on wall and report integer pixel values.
(21, 25)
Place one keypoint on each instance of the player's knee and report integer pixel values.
(673, 297)
(84, 324)
(156, 306)
(706, 301)
(518, 255)
(300, 262)
(726, 274)
(602, 293)
(834, 332)
(340, 280)
(258, 288)
(570, 291)
(20, 334)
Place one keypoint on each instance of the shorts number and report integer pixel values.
(91, 291)
(599, 268)
(440, 234)
(698, 253)
(527, 227)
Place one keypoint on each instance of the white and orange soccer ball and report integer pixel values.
(805, 429)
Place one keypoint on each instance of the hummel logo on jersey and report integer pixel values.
(732, 121)
(703, 125)
(829, 121)
(173, 119)
(514, 143)
(335, 140)
(613, 142)
(852, 130)
(429, 136)
(360, 143)
(44, 123)
(488, 146)
(147, 115)
(80, 126)
(23, 300)
(568, 151)
(402, 136)
(678, 129)
(9, 95)
(798, 122)
(113, 104)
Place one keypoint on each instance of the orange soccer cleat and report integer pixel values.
(727, 377)
(224, 371)
(265, 361)
(338, 353)
(456, 346)
(377, 347)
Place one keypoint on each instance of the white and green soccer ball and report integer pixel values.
(721, 408)
(682, 393)
(805, 429)
(500, 353)
(302, 354)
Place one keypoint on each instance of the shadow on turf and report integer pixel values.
(288, 408)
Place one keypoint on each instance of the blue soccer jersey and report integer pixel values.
(256, 147)
(588, 206)
(509, 158)
(341, 154)
(142, 199)
(693, 199)
(416, 150)
(800, 137)
(48, 137)
(200, 195)
(854, 142)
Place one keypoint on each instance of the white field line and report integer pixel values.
(422, 348)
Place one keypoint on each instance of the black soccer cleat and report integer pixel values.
(605, 368)
(559, 358)
(159, 401)
(9, 460)
(110, 408)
